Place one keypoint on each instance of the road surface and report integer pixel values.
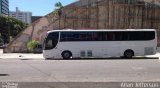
(80, 70)
(95, 70)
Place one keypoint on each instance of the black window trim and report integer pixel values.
(60, 37)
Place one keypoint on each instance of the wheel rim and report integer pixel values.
(128, 54)
(66, 55)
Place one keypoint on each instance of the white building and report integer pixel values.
(21, 15)
(4, 7)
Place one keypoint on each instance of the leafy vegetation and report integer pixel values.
(59, 7)
(10, 27)
(31, 45)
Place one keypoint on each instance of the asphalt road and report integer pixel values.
(68, 71)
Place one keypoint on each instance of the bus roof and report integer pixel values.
(97, 30)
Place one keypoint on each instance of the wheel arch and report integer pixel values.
(129, 50)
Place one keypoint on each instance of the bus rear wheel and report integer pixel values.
(48, 59)
(66, 55)
(128, 53)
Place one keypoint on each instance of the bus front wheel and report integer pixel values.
(66, 55)
(128, 53)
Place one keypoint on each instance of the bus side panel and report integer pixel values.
(102, 48)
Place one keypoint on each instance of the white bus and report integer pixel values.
(127, 43)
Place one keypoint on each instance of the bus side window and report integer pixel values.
(83, 36)
(125, 36)
(89, 36)
(118, 36)
(63, 37)
(100, 36)
(111, 36)
(75, 36)
(94, 36)
(106, 37)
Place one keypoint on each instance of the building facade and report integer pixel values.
(21, 15)
(4, 7)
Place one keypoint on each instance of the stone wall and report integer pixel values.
(105, 14)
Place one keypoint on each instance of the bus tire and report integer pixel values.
(129, 53)
(48, 59)
(66, 55)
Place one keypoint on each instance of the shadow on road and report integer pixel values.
(111, 58)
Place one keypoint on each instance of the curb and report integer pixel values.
(19, 56)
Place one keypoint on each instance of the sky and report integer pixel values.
(37, 7)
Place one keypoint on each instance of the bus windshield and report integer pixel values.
(51, 41)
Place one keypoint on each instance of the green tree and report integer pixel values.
(3, 28)
(10, 27)
(59, 7)
(16, 26)
(58, 10)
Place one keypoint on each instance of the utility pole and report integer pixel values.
(59, 14)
